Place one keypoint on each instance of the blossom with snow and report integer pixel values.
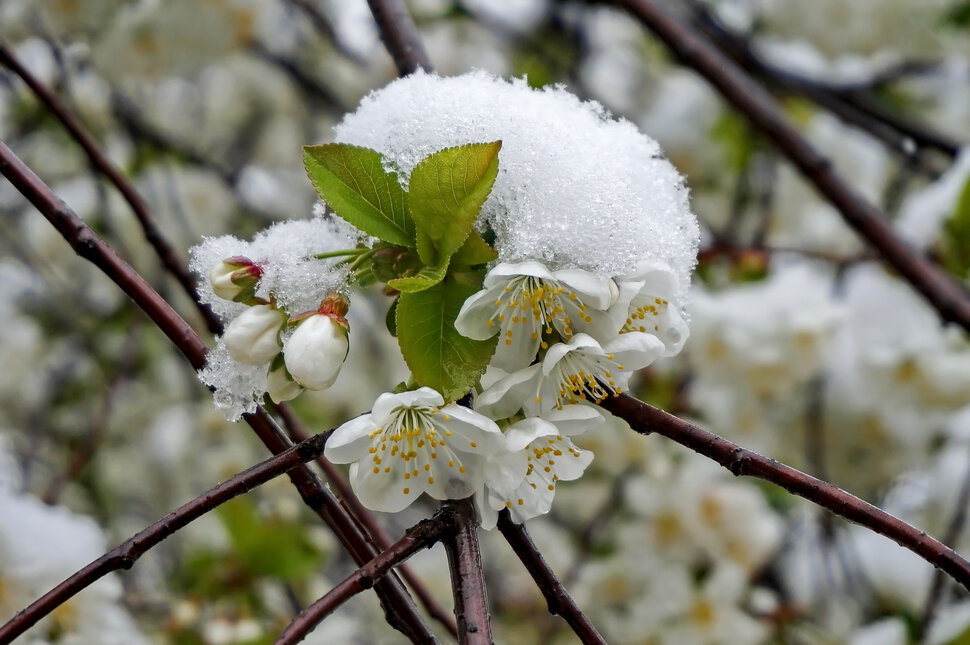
(235, 279)
(412, 443)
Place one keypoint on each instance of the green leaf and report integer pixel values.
(474, 251)
(438, 356)
(955, 242)
(354, 184)
(447, 191)
(426, 278)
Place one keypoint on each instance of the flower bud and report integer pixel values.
(235, 279)
(317, 349)
(253, 337)
(280, 384)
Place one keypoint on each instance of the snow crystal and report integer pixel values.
(576, 188)
(237, 388)
(285, 252)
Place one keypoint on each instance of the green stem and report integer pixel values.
(340, 254)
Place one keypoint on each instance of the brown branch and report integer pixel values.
(852, 104)
(467, 578)
(128, 552)
(400, 36)
(765, 114)
(421, 536)
(100, 161)
(647, 419)
(367, 519)
(557, 598)
(398, 606)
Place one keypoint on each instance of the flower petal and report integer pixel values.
(475, 314)
(508, 394)
(350, 441)
(573, 420)
(422, 397)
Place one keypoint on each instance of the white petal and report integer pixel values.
(422, 397)
(635, 350)
(350, 441)
(518, 350)
(594, 290)
(507, 396)
(573, 420)
(472, 427)
(559, 350)
(487, 516)
(505, 471)
(500, 273)
(383, 492)
(521, 433)
(252, 337)
(476, 311)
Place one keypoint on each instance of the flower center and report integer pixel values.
(579, 375)
(528, 299)
(413, 442)
(637, 319)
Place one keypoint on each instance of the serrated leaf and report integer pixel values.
(353, 182)
(474, 251)
(426, 278)
(447, 191)
(955, 241)
(437, 355)
(390, 320)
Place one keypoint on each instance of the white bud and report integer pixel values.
(316, 351)
(282, 387)
(235, 278)
(253, 337)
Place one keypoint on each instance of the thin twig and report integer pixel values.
(850, 104)
(99, 160)
(128, 552)
(764, 112)
(558, 600)
(367, 519)
(421, 536)
(467, 577)
(400, 36)
(399, 608)
(952, 534)
(647, 419)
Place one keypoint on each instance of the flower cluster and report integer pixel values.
(447, 216)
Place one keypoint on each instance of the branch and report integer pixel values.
(128, 552)
(764, 113)
(853, 104)
(101, 162)
(421, 536)
(467, 578)
(398, 605)
(557, 598)
(370, 524)
(647, 419)
(400, 36)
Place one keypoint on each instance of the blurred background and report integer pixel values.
(803, 346)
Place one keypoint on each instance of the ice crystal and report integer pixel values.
(237, 388)
(576, 188)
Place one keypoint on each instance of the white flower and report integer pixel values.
(570, 372)
(252, 337)
(315, 352)
(537, 454)
(409, 444)
(522, 301)
(651, 310)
